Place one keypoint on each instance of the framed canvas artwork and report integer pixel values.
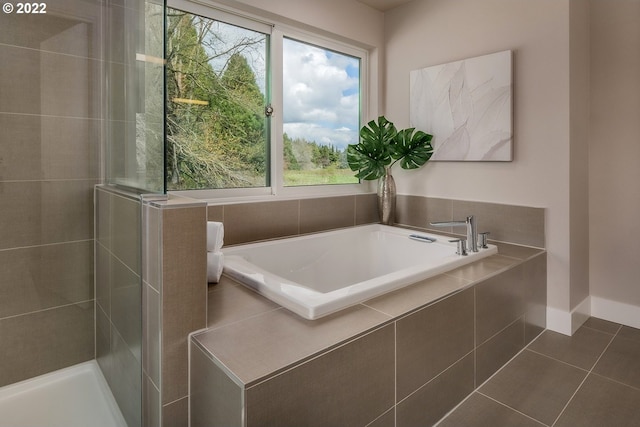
(467, 106)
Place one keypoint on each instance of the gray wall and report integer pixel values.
(50, 116)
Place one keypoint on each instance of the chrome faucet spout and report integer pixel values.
(472, 230)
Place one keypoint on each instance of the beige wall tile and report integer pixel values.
(431, 402)
(40, 147)
(535, 296)
(125, 379)
(506, 223)
(152, 334)
(388, 419)
(49, 83)
(415, 296)
(284, 339)
(417, 211)
(126, 306)
(215, 213)
(176, 414)
(28, 340)
(367, 209)
(483, 268)
(229, 301)
(446, 326)
(126, 231)
(36, 213)
(80, 20)
(258, 221)
(498, 350)
(499, 302)
(152, 247)
(351, 385)
(326, 213)
(151, 406)
(215, 399)
(184, 292)
(41, 277)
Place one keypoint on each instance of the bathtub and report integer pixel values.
(318, 274)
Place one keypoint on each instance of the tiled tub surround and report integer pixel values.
(404, 359)
(174, 303)
(250, 222)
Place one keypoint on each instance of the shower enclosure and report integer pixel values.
(133, 165)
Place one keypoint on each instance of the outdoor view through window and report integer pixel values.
(218, 86)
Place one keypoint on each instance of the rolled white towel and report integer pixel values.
(215, 263)
(215, 236)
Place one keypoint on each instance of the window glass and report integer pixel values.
(321, 113)
(217, 131)
(224, 131)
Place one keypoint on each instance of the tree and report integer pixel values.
(215, 117)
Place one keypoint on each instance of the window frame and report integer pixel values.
(277, 31)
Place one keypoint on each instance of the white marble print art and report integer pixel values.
(467, 107)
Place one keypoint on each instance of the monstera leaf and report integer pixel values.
(382, 145)
(370, 157)
(412, 149)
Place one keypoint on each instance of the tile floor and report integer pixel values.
(589, 379)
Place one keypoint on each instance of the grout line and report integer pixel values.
(513, 409)
(585, 378)
(615, 381)
(71, 304)
(438, 376)
(546, 356)
(395, 373)
(477, 389)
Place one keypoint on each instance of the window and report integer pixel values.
(321, 113)
(257, 107)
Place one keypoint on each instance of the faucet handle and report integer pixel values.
(462, 246)
(482, 239)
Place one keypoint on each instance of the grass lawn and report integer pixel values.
(319, 177)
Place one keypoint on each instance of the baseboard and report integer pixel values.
(559, 320)
(567, 322)
(615, 311)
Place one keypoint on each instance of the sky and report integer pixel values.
(320, 95)
(321, 90)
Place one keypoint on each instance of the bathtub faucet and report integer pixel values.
(472, 230)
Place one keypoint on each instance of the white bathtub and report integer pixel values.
(318, 274)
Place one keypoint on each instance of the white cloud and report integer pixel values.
(320, 97)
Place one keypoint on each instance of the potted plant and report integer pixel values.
(381, 146)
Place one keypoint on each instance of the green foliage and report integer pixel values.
(215, 123)
(217, 137)
(412, 149)
(382, 145)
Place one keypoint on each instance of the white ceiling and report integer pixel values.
(384, 5)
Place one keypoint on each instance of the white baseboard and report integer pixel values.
(559, 320)
(567, 322)
(615, 311)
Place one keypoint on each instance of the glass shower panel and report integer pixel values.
(133, 117)
(135, 95)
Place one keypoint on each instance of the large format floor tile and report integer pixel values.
(480, 411)
(602, 402)
(535, 385)
(621, 362)
(591, 379)
(581, 350)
